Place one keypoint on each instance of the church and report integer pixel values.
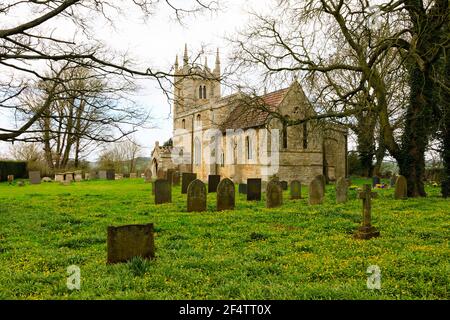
(240, 136)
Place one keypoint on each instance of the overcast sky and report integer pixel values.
(156, 42)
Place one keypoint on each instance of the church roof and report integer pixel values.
(247, 116)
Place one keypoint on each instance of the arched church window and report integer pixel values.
(197, 152)
(248, 145)
(198, 120)
(285, 137)
(183, 124)
(204, 92)
(200, 92)
(305, 136)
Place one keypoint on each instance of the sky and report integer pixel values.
(156, 42)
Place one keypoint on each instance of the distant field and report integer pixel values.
(293, 252)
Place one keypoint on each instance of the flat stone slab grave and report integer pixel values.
(126, 242)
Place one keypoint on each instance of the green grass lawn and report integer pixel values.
(296, 251)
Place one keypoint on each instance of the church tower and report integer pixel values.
(194, 84)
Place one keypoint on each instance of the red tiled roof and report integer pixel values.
(247, 116)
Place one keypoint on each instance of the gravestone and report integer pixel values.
(445, 188)
(169, 175)
(196, 196)
(176, 178)
(46, 179)
(366, 230)
(87, 176)
(35, 177)
(10, 178)
(126, 242)
(59, 177)
(375, 181)
(213, 182)
(102, 174)
(274, 194)
(284, 185)
(163, 191)
(323, 181)
(316, 191)
(341, 190)
(187, 178)
(118, 176)
(133, 175)
(21, 183)
(254, 189)
(401, 188)
(296, 190)
(225, 195)
(110, 174)
(393, 180)
(242, 188)
(161, 174)
(78, 177)
(68, 176)
(148, 175)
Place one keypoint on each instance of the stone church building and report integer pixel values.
(238, 136)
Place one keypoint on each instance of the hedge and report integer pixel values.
(16, 168)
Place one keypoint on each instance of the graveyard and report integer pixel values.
(291, 250)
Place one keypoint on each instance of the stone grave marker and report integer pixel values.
(242, 188)
(187, 178)
(323, 181)
(21, 183)
(169, 175)
(126, 242)
(35, 177)
(284, 185)
(133, 175)
(401, 188)
(78, 177)
(196, 196)
(213, 182)
(225, 195)
(162, 191)
(254, 189)
(68, 176)
(366, 230)
(59, 177)
(161, 174)
(10, 178)
(46, 179)
(87, 176)
(176, 178)
(296, 190)
(274, 194)
(102, 174)
(316, 191)
(375, 181)
(148, 175)
(341, 190)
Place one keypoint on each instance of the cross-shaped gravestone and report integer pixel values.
(366, 230)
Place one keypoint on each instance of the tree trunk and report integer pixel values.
(379, 155)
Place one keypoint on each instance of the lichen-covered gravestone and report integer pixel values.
(176, 178)
(341, 190)
(253, 189)
(296, 190)
(401, 190)
(274, 194)
(323, 181)
(35, 177)
(187, 178)
(196, 196)
(242, 188)
(163, 191)
(102, 174)
(213, 182)
(366, 230)
(284, 185)
(169, 175)
(316, 191)
(126, 242)
(225, 195)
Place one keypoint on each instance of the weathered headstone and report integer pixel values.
(284, 185)
(341, 190)
(187, 178)
(118, 176)
(296, 189)
(196, 196)
(254, 189)
(78, 177)
(401, 188)
(126, 242)
(242, 188)
(366, 230)
(110, 174)
(133, 175)
(375, 181)
(169, 175)
(225, 195)
(161, 174)
(176, 178)
(274, 194)
(87, 176)
(163, 191)
(10, 178)
(148, 175)
(323, 181)
(316, 191)
(35, 177)
(102, 174)
(68, 176)
(213, 182)
(46, 179)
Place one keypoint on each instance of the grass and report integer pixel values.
(296, 251)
